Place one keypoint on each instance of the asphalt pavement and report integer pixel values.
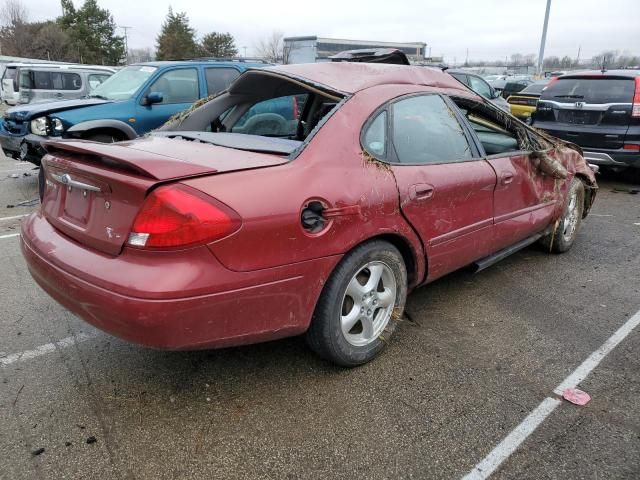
(481, 352)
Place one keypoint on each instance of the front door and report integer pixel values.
(179, 89)
(446, 190)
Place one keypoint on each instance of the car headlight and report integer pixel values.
(56, 126)
(39, 126)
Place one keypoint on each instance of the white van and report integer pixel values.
(34, 82)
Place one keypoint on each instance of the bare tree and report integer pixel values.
(138, 55)
(13, 13)
(272, 49)
(14, 28)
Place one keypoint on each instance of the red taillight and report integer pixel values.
(631, 146)
(635, 109)
(178, 216)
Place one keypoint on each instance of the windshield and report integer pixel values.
(123, 84)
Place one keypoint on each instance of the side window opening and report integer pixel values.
(375, 136)
(497, 131)
(177, 86)
(425, 130)
(219, 78)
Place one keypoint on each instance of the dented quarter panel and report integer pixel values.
(271, 200)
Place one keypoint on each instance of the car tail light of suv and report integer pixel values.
(179, 216)
(635, 110)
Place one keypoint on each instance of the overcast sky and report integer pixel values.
(490, 29)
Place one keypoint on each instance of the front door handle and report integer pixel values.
(506, 178)
(421, 191)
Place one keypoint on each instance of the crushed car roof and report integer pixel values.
(348, 77)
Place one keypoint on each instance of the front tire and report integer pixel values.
(564, 234)
(360, 305)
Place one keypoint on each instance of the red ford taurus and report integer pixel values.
(306, 198)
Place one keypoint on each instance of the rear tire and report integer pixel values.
(360, 305)
(566, 228)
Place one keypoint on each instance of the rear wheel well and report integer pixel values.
(403, 245)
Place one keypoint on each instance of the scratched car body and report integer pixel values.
(235, 225)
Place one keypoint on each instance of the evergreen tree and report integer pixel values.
(92, 32)
(176, 39)
(216, 44)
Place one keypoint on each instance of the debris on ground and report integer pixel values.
(14, 175)
(91, 440)
(67, 444)
(15, 400)
(37, 452)
(576, 396)
(26, 203)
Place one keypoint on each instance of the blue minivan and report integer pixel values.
(135, 100)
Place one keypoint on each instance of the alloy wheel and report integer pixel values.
(368, 303)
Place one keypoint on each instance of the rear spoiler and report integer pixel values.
(120, 156)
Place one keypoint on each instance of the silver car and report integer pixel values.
(481, 87)
(44, 83)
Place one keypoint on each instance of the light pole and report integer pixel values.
(126, 43)
(543, 40)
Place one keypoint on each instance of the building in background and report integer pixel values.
(313, 49)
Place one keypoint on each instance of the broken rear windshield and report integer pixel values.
(252, 143)
(262, 111)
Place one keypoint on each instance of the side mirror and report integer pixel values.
(153, 97)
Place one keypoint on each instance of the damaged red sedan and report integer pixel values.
(305, 199)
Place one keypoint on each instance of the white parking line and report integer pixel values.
(45, 349)
(15, 217)
(17, 170)
(510, 444)
(11, 235)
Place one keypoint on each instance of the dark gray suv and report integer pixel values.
(598, 111)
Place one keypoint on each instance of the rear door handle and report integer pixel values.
(506, 178)
(421, 191)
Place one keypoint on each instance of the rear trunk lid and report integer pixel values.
(94, 191)
(591, 110)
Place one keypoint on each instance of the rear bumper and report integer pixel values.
(612, 158)
(158, 300)
(522, 112)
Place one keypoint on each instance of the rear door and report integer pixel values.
(219, 78)
(524, 199)
(9, 83)
(446, 190)
(590, 111)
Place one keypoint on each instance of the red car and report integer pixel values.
(233, 224)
